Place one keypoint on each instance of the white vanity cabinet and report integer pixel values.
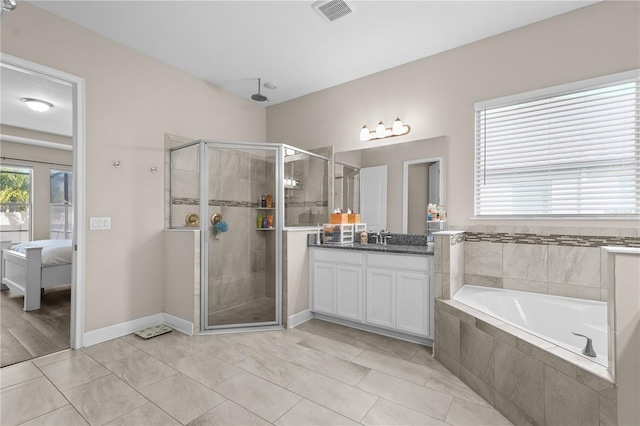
(336, 283)
(398, 292)
(380, 290)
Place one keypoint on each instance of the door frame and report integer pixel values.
(77, 85)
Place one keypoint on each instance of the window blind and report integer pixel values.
(569, 153)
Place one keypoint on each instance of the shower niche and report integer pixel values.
(241, 259)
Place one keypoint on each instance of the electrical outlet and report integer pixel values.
(99, 223)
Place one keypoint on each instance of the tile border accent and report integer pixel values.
(553, 239)
(230, 203)
(457, 238)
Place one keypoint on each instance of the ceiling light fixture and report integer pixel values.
(37, 104)
(381, 132)
(7, 6)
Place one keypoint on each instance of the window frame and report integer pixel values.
(30, 205)
(67, 204)
(536, 95)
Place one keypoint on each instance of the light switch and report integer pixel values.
(99, 223)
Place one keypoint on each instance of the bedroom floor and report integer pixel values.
(27, 335)
(319, 373)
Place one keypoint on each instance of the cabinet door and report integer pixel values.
(380, 297)
(349, 292)
(412, 302)
(324, 288)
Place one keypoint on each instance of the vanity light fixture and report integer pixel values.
(37, 104)
(381, 132)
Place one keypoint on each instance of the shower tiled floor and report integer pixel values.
(319, 373)
(260, 310)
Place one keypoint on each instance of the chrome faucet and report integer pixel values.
(383, 236)
(588, 349)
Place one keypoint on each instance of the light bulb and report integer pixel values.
(381, 131)
(364, 133)
(398, 127)
(37, 104)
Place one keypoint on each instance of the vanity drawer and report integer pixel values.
(349, 257)
(398, 261)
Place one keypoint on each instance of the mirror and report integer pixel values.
(422, 185)
(346, 186)
(424, 151)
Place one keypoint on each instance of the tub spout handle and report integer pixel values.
(588, 349)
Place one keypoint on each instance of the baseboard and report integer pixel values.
(122, 329)
(177, 323)
(299, 318)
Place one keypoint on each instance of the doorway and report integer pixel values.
(71, 218)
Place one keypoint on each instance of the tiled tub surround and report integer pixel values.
(562, 265)
(526, 378)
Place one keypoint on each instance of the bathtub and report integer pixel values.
(551, 318)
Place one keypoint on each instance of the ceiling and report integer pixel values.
(231, 43)
(17, 84)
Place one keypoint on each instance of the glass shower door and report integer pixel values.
(243, 235)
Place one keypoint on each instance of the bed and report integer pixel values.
(28, 268)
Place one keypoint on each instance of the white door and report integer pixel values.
(412, 302)
(380, 297)
(373, 197)
(349, 292)
(324, 288)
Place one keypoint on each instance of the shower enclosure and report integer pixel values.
(237, 191)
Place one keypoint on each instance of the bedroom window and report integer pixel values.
(569, 151)
(61, 184)
(15, 203)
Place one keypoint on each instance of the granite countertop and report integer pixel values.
(380, 248)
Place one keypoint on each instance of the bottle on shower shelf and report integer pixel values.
(259, 221)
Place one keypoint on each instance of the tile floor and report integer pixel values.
(317, 374)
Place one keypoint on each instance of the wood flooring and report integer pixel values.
(27, 335)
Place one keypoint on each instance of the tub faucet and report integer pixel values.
(588, 349)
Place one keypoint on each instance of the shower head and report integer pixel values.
(259, 97)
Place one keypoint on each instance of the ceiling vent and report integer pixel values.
(333, 9)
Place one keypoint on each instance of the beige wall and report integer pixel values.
(297, 272)
(41, 178)
(418, 187)
(435, 95)
(132, 100)
(181, 268)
